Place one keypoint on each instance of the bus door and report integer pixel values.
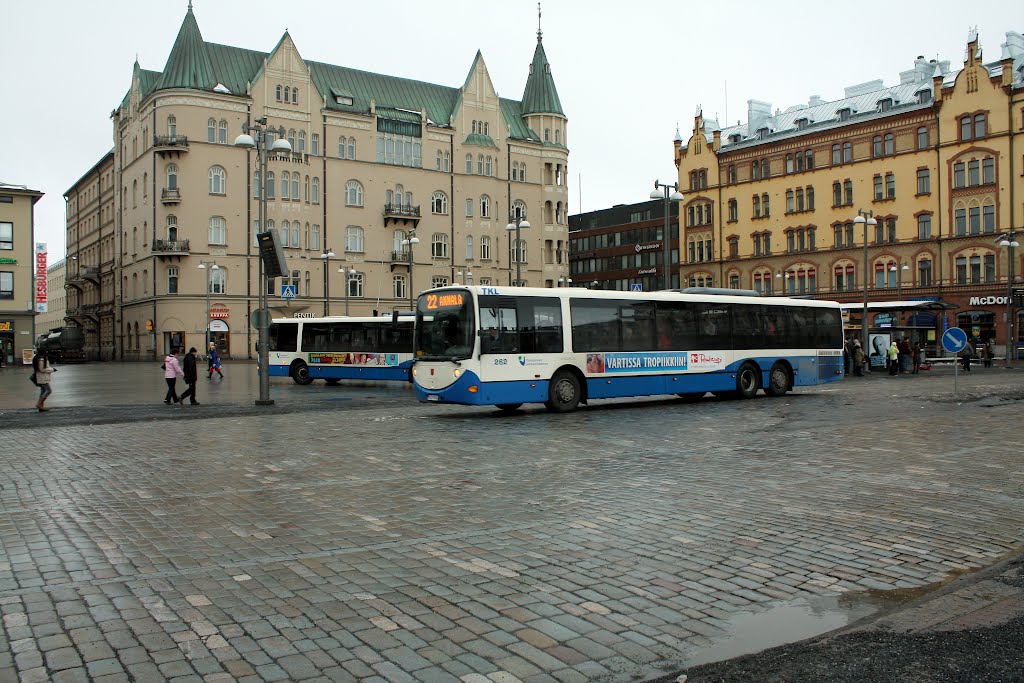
(498, 325)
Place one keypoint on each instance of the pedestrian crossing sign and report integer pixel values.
(287, 291)
(636, 288)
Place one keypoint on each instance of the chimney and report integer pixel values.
(814, 100)
(716, 140)
(758, 113)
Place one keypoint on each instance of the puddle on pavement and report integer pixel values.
(780, 624)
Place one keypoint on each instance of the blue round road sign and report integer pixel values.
(954, 340)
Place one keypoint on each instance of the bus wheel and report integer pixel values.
(778, 381)
(300, 373)
(563, 392)
(747, 381)
(508, 407)
(333, 381)
(691, 397)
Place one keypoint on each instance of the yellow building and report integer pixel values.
(375, 160)
(936, 161)
(20, 294)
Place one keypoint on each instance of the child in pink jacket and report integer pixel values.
(172, 371)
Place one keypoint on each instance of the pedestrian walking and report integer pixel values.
(893, 356)
(846, 357)
(172, 371)
(42, 369)
(858, 358)
(916, 357)
(905, 350)
(214, 365)
(191, 376)
(965, 356)
(987, 354)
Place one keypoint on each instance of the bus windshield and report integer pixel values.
(445, 325)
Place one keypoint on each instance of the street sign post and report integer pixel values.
(288, 292)
(636, 288)
(954, 340)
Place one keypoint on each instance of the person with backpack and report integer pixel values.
(41, 370)
(172, 371)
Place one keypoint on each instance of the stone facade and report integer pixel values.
(17, 271)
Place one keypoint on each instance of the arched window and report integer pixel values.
(447, 162)
(479, 164)
(219, 281)
(437, 161)
(558, 137)
(487, 166)
(485, 248)
(286, 178)
(296, 234)
(890, 144)
(172, 228)
(222, 132)
(291, 138)
(469, 163)
(295, 186)
(485, 206)
(469, 248)
(172, 177)
(295, 95)
(515, 170)
(278, 93)
(217, 180)
(314, 144)
(352, 147)
(287, 93)
(302, 142)
(519, 209)
(342, 142)
(270, 184)
(439, 203)
(172, 128)
(316, 190)
(305, 189)
(211, 130)
(398, 289)
(354, 193)
(355, 284)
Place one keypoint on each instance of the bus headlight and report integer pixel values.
(415, 371)
(456, 373)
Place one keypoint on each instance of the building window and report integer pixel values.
(211, 130)
(733, 210)
(755, 171)
(222, 132)
(485, 248)
(924, 183)
(836, 155)
(890, 185)
(354, 193)
(469, 164)
(924, 273)
(219, 281)
(172, 128)
(269, 185)
(922, 137)
(989, 218)
(765, 169)
(485, 206)
(172, 280)
(876, 146)
(6, 284)
(355, 284)
(765, 206)
(302, 142)
(314, 237)
(439, 245)
(960, 221)
(518, 254)
(172, 177)
(732, 174)
(838, 234)
(757, 206)
(487, 166)
(965, 127)
(398, 288)
(848, 191)
(218, 230)
(973, 172)
(217, 180)
(342, 143)
(974, 219)
(316, 190)
(890, 144)
(470, 254)
(479, 164)
(439, 203)
(810, 199)
(438, 281)
(286, 178)
(837, 194)
(924, 227)
(959, 175)
(314, 144)
(988, 170)
(789, 201)
(296, 237)
(354, 239)
(979, 126)
(295, 186)
(847, 152)
(351, 148)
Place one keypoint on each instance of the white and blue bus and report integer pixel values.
(506, 346)
(338, 348)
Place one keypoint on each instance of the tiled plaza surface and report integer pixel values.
(394, 541)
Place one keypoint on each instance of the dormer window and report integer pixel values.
(844, 114)
(924, 96)
(801, 124)
(341, 99)
(762, 133)
(885, 104)
(735, 137)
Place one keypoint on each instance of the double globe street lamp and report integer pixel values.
(260, 140)
(327, 256)
(1010, 243)
(865, 218)
(518, 223)
(346, 277)
(209, 285)
(409, 242)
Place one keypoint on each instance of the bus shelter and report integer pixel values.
(923, 322)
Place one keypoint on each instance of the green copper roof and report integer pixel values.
(512, 112)
(540, 95)
(481, 140)
(234, 67)
(188, 65)
(385, 91)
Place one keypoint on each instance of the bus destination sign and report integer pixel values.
(448, 300)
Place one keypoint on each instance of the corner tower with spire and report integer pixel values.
(541, 107)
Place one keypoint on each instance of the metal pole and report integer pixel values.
(1011, 339)
(864, 314)
(263, 346)
(519, 255)
(208, 334)
(411, 308)
(327, 283)
(668, 244)
(346, 290)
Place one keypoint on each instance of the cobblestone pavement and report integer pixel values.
(380, 539)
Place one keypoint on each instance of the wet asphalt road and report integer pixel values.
(351, 533)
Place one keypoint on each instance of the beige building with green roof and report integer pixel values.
(375, 160)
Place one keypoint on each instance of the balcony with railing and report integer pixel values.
(163, 144)
(170, 195)
(400, 257)
(401, 212)
(170, 247)
(82, 274)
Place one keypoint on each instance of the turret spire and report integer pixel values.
(540, 94)
(539, 32)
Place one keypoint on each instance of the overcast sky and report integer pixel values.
(626, 72)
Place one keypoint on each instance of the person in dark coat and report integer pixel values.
(191, 375)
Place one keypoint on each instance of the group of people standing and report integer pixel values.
(900, 356)
(188, 371)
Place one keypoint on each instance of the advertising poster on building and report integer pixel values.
(40, 277)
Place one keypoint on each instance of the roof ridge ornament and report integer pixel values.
(539, 32)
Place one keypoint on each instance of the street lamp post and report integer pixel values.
(345, 275)
(1011, 243)
(565, 282)
(467, 276)
(260, 142)
(898, 268)
(209, 277)
(865, 218)
(409, 242)
(676, 196)
(518, 222)
(327, 256)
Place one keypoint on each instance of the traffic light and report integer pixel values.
(271, 254)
